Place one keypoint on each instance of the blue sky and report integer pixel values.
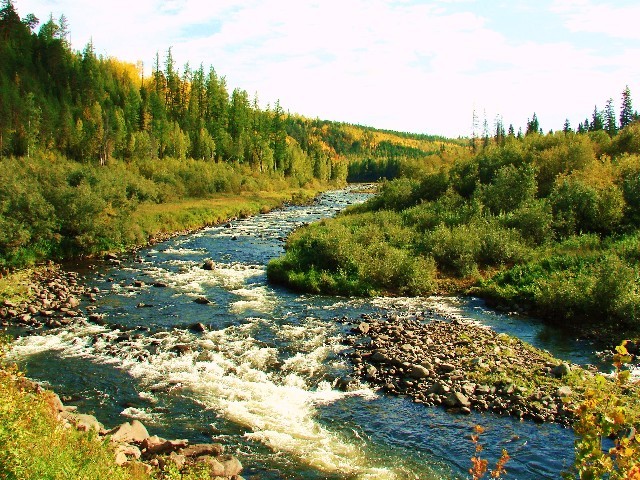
(420, 66)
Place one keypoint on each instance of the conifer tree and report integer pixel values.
(626, 111)
(533, 126)
(597, 123)
(610, 118)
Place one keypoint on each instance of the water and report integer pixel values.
(260, 379)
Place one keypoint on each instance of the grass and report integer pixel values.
(14, 287)
(35, 445)
(151, 220)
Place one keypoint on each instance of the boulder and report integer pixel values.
(418, 372)
(561, 370)
(200, 449)
(202, 300)
(208, 264)
(134, 432)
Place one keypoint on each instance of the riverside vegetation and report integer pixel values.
(546, 224)
(96, 158)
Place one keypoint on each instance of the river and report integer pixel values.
(259, 380)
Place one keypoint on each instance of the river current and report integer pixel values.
(260, 379)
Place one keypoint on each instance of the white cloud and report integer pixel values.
(614, 20)
(392, 64)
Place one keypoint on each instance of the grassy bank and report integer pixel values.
(150, 221)
(34, 444)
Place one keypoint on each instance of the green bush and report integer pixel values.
(533, 220)
(579, 207)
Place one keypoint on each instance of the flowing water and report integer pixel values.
(259, 380)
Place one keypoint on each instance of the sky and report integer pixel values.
(406, 65)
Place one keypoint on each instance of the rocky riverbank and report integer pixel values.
(134, 447)
(463, 366)
(54, 299)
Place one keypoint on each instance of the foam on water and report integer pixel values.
(235, 375)
(257, 298)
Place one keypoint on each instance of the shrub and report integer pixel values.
(533, 221)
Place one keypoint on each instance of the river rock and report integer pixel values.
(120, 459)
(202, 300)
(178, 460)
(130, 451)
(208, 264)
(198, 327)
(83, 422)
(371, 372)
(156, 446)
(564, 391)
(446, 367)
(380, 357)
(134, 432)
(181, 348)
(216, 468)
(418, 372)
(232, 466)
(456, 399)
(561, 370)
(73, 303)
(200, 449)
(363, 328)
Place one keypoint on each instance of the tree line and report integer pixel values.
(93, 109)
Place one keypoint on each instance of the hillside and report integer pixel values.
(87, 140)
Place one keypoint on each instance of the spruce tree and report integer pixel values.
(596, 121)
(610, 118)
(626, 111)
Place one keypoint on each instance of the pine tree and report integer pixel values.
(596, 121)
(610, 118)
(626, 111)
(533, 126)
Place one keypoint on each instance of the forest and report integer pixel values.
(89, 144)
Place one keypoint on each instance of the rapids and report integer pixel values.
(260, 379)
